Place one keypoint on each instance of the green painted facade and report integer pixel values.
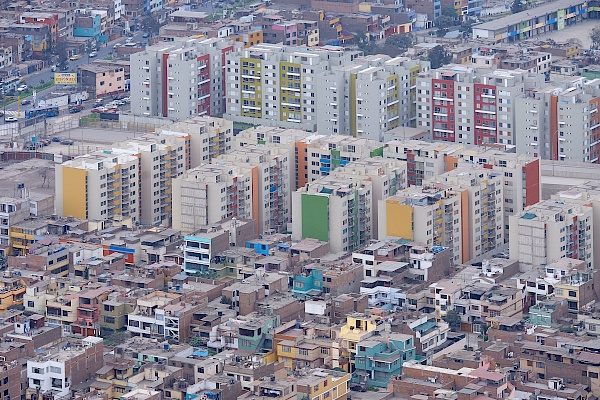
(378, 152)
(315, 217)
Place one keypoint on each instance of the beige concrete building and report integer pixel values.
(212, 193)
(104, 79)
(270, 189)
(337, 210)
(431, 215)
(209, 137)
(99, 185)
(551, 230)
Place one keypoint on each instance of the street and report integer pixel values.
(45, 74)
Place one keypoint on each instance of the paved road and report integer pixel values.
(45, 74)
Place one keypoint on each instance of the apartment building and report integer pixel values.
(278, 85)
(208, 137)
(153, 314)
(472, 106)
(483, 208)
(201, 248)
(212, 193)
(55, 368)
(431, 215)
(181, 79)
(334, 210)
(12, 211)
(100, 185)
(387, 177)
(320, 383)
(271, 183)
(560, 122)
(325, 154)
(161, 158)
(551, 230)
(423, 160)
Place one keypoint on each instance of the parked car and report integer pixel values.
(93, 54)
(98, 109)
(501, 255)
(129, 40)
(145, 35)
(22, 88)
(1, 113)
(73, 110)
(24, 102)
(56, 139)
(53, 68)
(74, 57)
(357, 387)
(10, 119)
(98, 102)
(67, 142)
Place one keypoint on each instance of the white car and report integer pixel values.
(129, 40)
(10, 119)
(22, 88)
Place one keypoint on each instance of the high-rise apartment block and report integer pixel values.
(560, 122)
(430, 214)
(334, 210)
(551, 230)
(270, 184)
(99, 185)
(212, 193)
(132, 181)
(555, 120)
(209, 137)
(460, 209)
(464, 105)
(358, 96)
(181, 79)
(521, 173)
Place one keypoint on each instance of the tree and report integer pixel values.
(116, 338)
(151, 25)
(60, 50)
(364, 44)
(445, 22)
(595, 36)
(518, 6)
(438, 57)
(402, 41)
(449, 12)
(453, 319)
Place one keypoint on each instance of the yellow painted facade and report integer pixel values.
(11, 293)
(399, 219)
(74, 192)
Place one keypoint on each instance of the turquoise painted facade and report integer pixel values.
(255, 336)
(378, 358)
(308, 284)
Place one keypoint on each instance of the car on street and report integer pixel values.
(74, 57)
(22, 88)
(24, 102)
(93, 54)
(145, 35)
(67, 142)
(129, 40)
(117, 45)
(56, 139)
(1, 113)
(501, 255)
(10, 119)
(99, 110)
(98, 102)
(53, 68)
(74, 110)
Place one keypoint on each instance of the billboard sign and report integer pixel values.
(65, 78)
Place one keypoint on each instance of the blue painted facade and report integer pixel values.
(308, 284)
(378, 358)
(94, 31)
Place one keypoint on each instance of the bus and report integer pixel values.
(46, 112)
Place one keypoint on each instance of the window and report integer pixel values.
(539, 364)
(303, 352)
(286, 349)
(572, 293)
(55, 370)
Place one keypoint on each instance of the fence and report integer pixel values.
(141, 127)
